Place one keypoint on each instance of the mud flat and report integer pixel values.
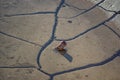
(25, 28)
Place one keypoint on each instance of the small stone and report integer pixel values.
(12, 57)
(63, 6)
(69, 21)
(86, 75)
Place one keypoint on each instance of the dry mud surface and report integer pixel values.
(31, 29)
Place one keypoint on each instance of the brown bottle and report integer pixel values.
(61, 46)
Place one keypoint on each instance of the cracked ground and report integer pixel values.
(31, 29)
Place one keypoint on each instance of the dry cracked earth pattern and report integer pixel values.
(31, 29)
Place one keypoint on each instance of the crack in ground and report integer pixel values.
(85, 11)
(34, 13)
(118, 35)
(21, 39)
(117, 54)
(90, 29)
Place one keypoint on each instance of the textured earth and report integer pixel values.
(30, 30)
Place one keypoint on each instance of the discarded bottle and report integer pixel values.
(61, 46)
(61, 49)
